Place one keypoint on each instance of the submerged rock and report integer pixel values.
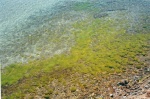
(100, 15)
(123, 83)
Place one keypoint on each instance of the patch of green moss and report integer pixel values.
(46, 97)
(73, 89)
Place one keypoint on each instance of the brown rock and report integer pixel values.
(127, 90)
(148, 93)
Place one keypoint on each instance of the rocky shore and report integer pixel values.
(134, 83)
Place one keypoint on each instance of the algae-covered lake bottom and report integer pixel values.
(76, 51)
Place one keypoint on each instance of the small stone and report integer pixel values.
(100, 15)
(111, 95)
(124, 97)
(92, 94)
(128, 91)
(146, 86)
(120, 94)
(146, 69)
(136, 78)
(123, 83)
(140, 88)
(148, 93)
(134, 93)
(143, 92)
(99, 97)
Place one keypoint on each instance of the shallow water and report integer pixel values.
(14, 16)
(23, 25)
(14, 13)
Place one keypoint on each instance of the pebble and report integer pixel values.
(92, 94)
(146, 86)
(123, 83)
(148, 93)
(128, 91)
(143, 92)
(99, 97)
(111, 95)
(136, 78)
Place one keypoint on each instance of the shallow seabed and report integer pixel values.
(75, 49)
(31, 30)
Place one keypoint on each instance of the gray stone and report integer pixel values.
(100, 15)
(123, 83)
(146, 86)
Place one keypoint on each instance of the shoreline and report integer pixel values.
(92, 50)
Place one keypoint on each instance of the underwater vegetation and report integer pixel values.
(96, 43)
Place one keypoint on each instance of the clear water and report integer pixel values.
(23, 25)
(14, 17)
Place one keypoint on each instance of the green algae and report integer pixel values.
(107, 48)
(99, 47)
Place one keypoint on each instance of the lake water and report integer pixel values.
(20, 20)
(15, 12)
(13, 15)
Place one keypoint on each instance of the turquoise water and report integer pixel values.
(29, 28)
